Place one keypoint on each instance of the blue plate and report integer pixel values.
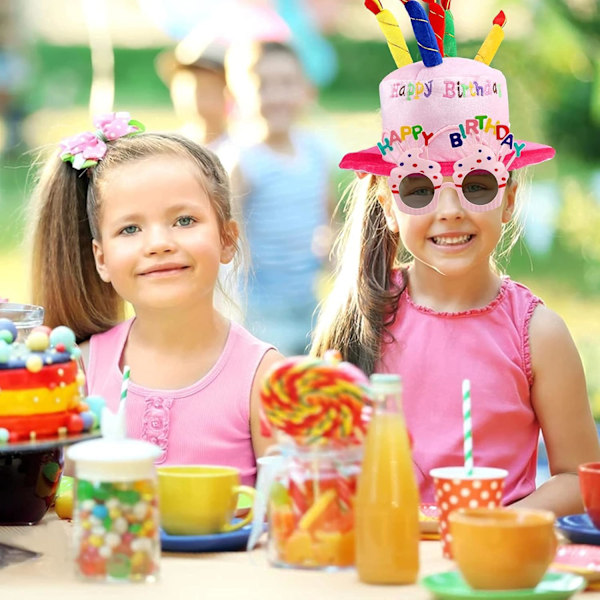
(214, 542)
(579, 529)
(553, 586)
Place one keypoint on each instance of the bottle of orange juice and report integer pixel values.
(387, 498)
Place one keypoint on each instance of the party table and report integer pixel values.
(239, 575)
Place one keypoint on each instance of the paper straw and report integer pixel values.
(467, 426)
(120, 424)
(125, 382)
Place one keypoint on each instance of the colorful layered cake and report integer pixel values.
(40, 385)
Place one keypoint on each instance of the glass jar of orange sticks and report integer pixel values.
(319, 409)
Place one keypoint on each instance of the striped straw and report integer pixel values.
(125, 382)
(467, 426)
(120, 426)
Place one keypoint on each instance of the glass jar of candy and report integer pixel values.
(115, 515)
(311, 508)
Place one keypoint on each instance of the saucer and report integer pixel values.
(553, 586)
(229, 541)
(579, 529)
(581, 559)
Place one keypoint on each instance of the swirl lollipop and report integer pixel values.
(316, 401)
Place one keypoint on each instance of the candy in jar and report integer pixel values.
(115, 517)
(311, 508)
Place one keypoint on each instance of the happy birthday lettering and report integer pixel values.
(480, 123)
(415, 90)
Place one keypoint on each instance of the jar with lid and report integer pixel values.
(115, 515)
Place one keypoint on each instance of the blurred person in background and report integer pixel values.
(282, 186)
(194, 72)
(14, 73)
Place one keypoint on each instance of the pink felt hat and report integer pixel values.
(443, 108)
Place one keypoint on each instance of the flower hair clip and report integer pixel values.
(85, 149)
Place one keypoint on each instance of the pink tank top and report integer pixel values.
(205, 423)
(433, 352)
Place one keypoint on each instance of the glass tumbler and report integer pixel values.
(24, 316)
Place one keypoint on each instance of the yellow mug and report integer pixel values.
(200, 499)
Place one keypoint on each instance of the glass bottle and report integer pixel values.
(387, 498)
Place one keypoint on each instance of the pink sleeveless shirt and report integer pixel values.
(433, 352)
(205, 423)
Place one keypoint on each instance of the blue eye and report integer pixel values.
(130, 229)
(185, 221)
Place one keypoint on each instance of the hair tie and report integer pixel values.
(85, 149)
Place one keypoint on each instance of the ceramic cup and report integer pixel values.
(502, 548)
(454, 489)
(589, 482)
(200, 499)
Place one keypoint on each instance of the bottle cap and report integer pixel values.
(114, 460)
(385, 383)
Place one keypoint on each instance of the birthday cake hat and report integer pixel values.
(444, 107)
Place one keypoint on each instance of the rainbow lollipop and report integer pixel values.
(316, 401)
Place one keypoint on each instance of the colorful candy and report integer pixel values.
(316, 401)
(116, 530)
(316, 531)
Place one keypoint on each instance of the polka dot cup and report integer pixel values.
(455, 489)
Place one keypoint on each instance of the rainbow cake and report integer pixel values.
(40, 385)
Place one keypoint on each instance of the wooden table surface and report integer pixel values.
(220, 575)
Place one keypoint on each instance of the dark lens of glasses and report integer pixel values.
(480, 187)
(416, 190)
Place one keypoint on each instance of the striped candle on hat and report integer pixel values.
(424, 35)
(437, 18)
(392, 32)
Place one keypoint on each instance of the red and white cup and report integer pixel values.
(454, 489)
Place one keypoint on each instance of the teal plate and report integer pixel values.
(553, 586)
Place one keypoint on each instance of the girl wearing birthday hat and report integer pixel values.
(439, 185)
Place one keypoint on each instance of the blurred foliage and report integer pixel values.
(554, 84)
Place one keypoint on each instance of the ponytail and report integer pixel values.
(64, 277)
(363, 301)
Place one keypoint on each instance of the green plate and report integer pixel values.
(554, 586)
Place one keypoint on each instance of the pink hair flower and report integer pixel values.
(117, 124)
(85, 149)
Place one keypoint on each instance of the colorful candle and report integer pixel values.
(493, 40)
(437, 18)
(467, 427)
(392, 32)
(449, 39)
(424, 35)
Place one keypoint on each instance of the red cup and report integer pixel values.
(589, 483)
(455, 489)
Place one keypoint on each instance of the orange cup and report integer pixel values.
(455, 489)
(589, 483)
(502, 548)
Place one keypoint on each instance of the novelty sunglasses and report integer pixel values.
(479, 180)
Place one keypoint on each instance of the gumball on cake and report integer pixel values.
(40, 385)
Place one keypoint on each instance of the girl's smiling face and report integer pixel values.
(160, 244)
(451, 240)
